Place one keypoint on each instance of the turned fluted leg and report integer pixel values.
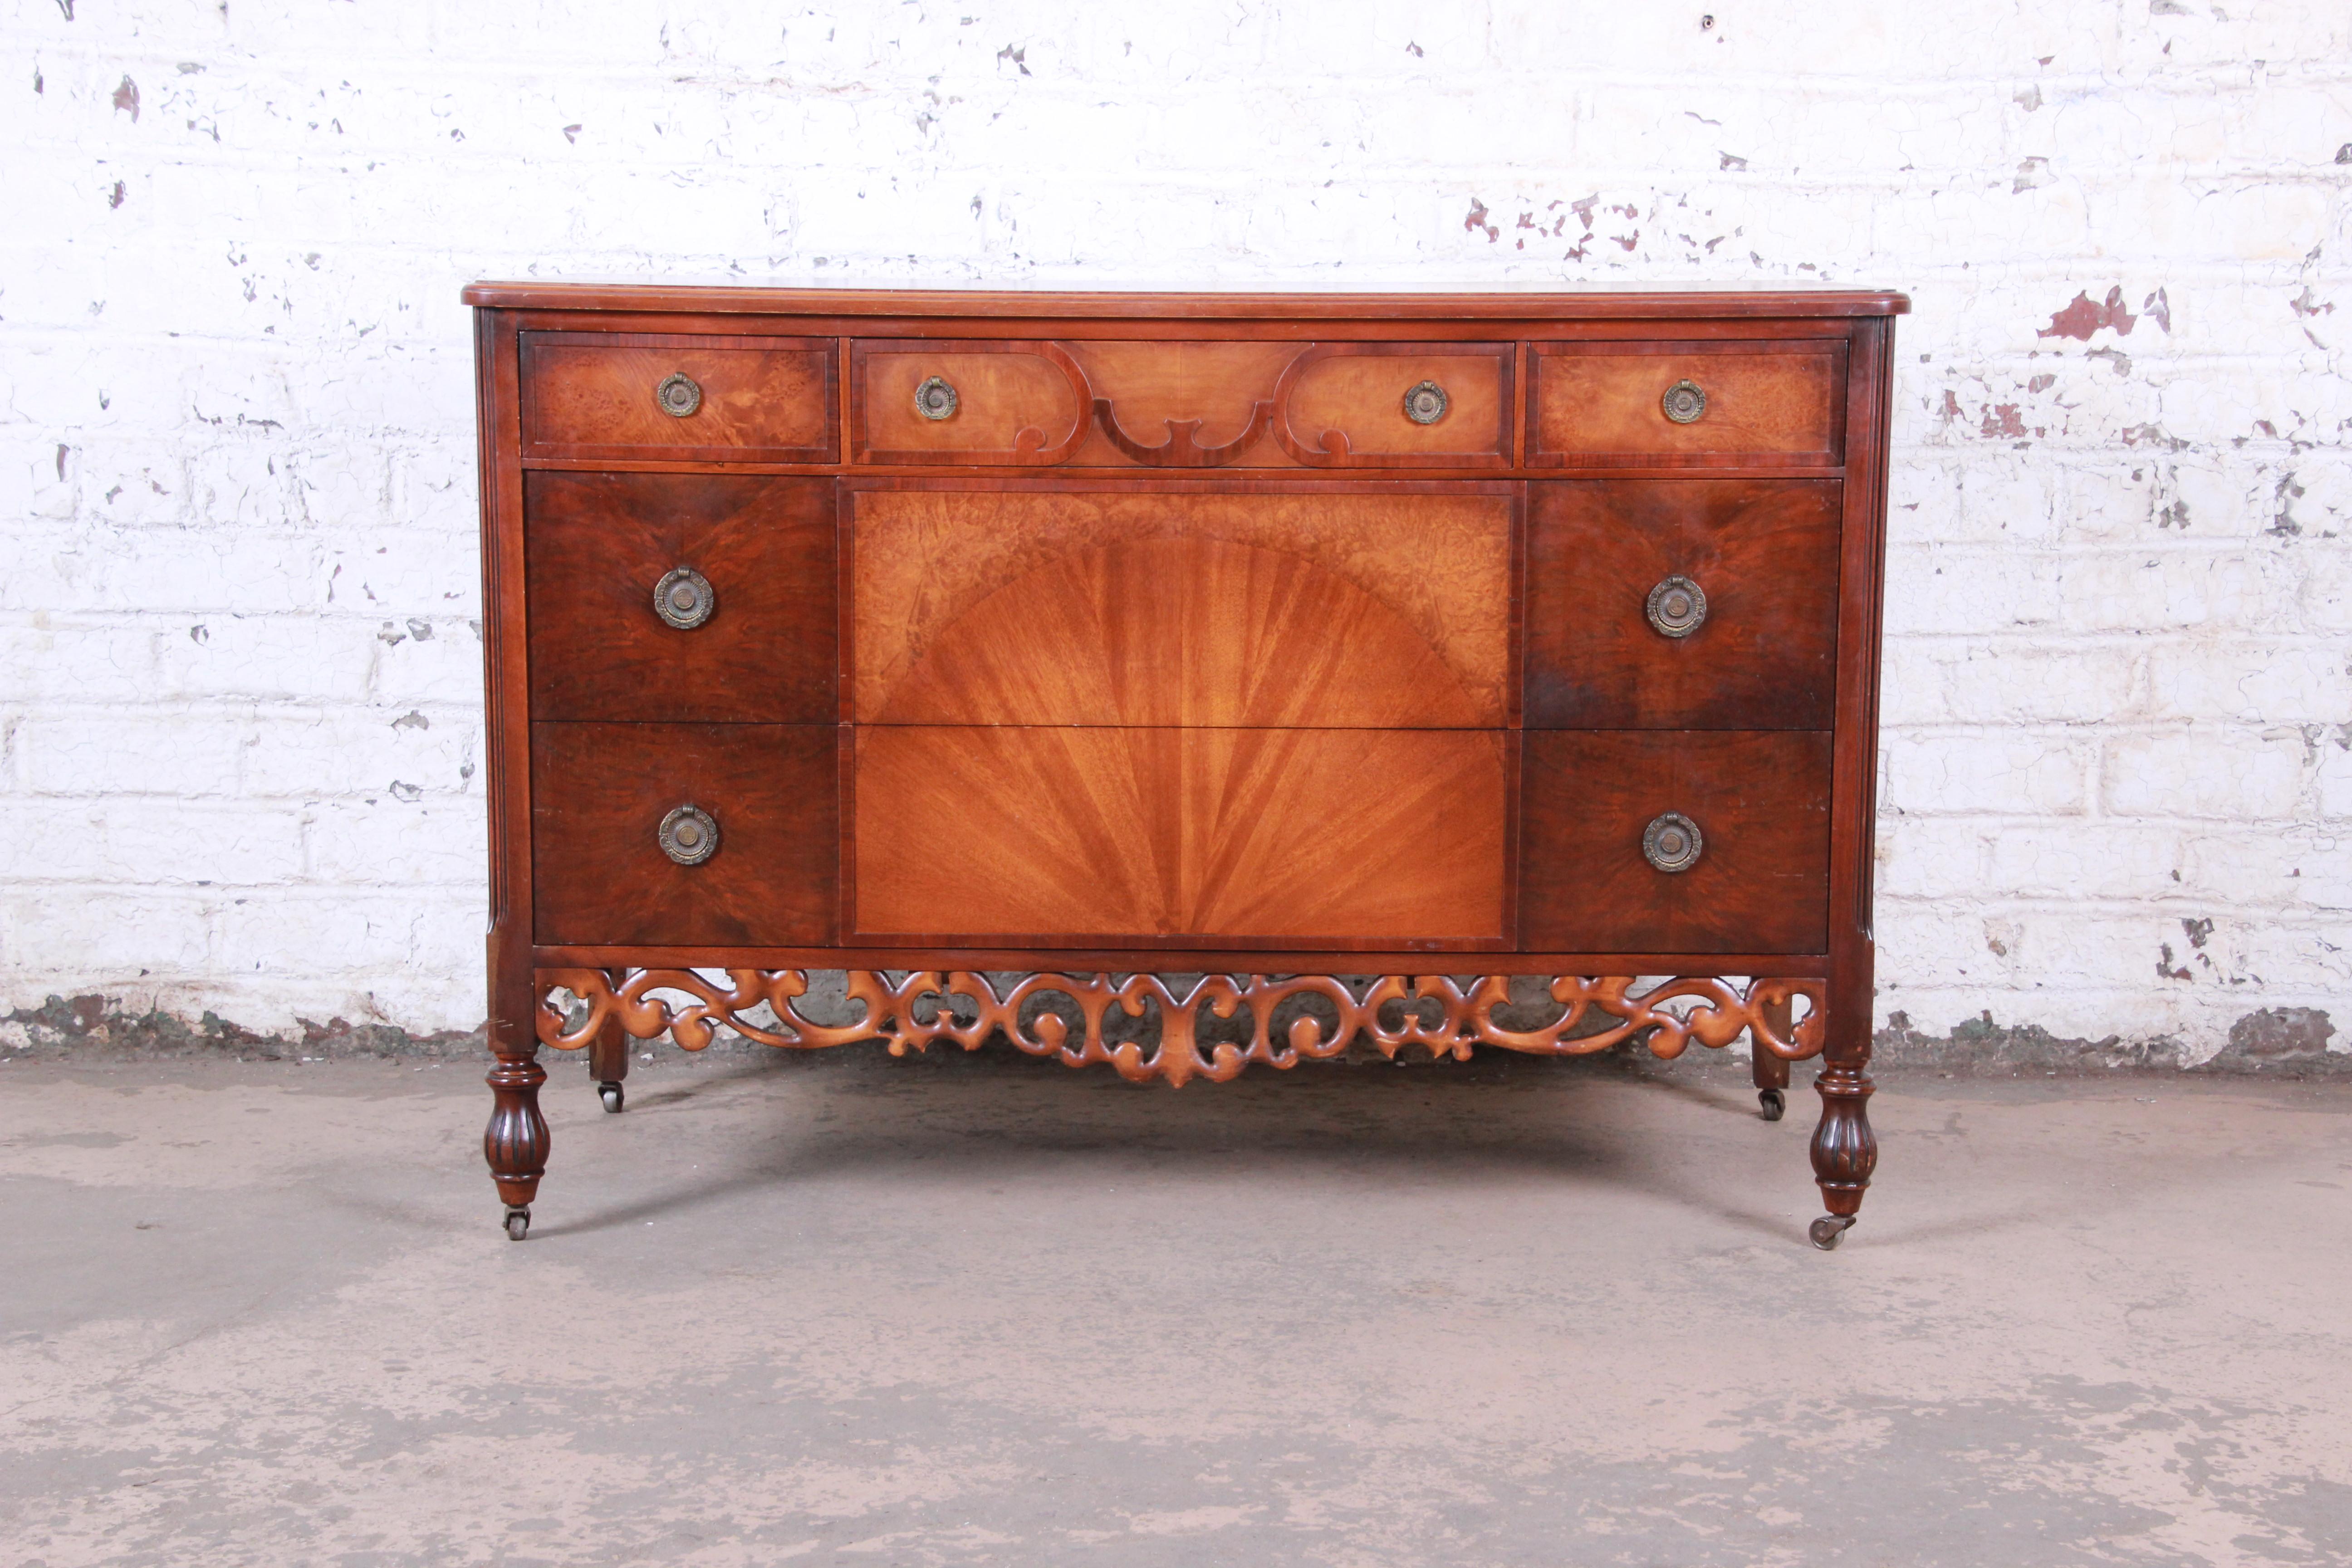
(608, 1057)
(516, 1141)
(1770, 1069)
(1845, 1150)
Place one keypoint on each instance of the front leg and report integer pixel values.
(516, 1139)
(1845, 1150)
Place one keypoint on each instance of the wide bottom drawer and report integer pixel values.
(757, 862)
(1058, 835)
(1599, 839)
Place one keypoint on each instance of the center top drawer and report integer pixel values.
(1165, 403)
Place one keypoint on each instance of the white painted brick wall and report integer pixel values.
(239, 690)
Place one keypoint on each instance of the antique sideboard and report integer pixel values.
(1253, 639)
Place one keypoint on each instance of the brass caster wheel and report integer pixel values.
(1775, 1103)
(1829, 1229)
(517, 1221)
(612, 1095)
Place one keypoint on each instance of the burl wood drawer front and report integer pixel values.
(1215, 836)
(1331, 606)
(620, 395)
(1681, 603)
(746, 568)
(1687, 404)
(1761, 805)
(1175, 405)
(599, 795)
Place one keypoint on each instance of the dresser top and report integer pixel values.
(1512, 304)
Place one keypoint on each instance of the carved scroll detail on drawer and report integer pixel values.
(1182, 405)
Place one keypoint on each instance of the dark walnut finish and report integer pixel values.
(1095, 635)
(1762, 555)
(596, 547)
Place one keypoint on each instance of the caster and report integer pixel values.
(517, 1221)
(612, 1095)
(1775, 1103)
(1829, 1229)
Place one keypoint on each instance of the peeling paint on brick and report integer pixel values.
(2081, 317)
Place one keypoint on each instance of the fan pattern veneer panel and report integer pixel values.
(1207, 837)
(1329, 607)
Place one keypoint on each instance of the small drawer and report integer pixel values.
(1182, 405)
(1687, 404)
(1600, 841)
(619, 395)
(1681, 603)
(914, 401)
(680, 597)
(670, 834)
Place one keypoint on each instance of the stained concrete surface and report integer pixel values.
(844, 1308)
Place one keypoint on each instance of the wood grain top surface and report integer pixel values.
(1252, 304)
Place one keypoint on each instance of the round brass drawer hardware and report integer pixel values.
(1685, 401)
(1676, 607)
(689, 834)
(683, 598)
(935, 399)
(1672, 842)
(679, 395)
(1426, 404)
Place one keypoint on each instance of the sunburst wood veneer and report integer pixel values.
(1089, 636)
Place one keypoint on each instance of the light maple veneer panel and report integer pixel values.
(1335, 609)
(1603, 404)
(1065, 834)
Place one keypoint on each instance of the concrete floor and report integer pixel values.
(851, 1310)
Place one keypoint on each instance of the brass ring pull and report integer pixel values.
(1426, 404)
(1676, 607)
(684, 598)
(679, 395)
(689, 834)
(1672, 842)
(1685, 401)
(935, 399)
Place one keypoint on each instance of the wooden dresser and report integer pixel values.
(1181, 652)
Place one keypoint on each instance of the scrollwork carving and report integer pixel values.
(1181, 450)
(1395, 1012)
